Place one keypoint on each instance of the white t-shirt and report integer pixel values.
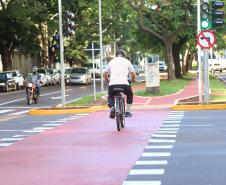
(119, 68)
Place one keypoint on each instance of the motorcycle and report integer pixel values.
(31, 93)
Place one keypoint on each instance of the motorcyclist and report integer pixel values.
(34, 77)
(119, 68)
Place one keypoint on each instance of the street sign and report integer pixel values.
(206, 39)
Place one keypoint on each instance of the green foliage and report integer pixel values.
(168, 87)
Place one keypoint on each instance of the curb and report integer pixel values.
(66, 110)
(199, 107)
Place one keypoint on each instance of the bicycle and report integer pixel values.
(119, 106)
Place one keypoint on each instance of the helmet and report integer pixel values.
(120, 52)
(34, 69)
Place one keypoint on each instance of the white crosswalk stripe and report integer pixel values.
(5, 111)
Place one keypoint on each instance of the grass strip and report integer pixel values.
(87, 100)
(168, 87)
(218, 90)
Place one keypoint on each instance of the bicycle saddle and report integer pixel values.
(118, 89)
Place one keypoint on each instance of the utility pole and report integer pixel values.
(101, 45)
(61, 54)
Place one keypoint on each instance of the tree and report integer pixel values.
(165, 22)
(18, 28)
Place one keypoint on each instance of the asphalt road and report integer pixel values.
(188, 148)
(13, 103)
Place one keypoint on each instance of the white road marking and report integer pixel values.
(168, 129)
(163, 135)
(66, 119)
(177, 112)
(42, 128)
(147, 172)
(11, 130)
(44, 122)
(162, 141)
(5, 144)
(166, 132)
(148, 101)
(82, 114)
(159, 147)
(5, 111)
(18, 113)
(154, 162)
(58, 97)
(207, 125)
(32, 131)
(173, 125)
(170, 121)
(46, 125)
(19, 136)
(156, 154)
(11, 139)
(175, 119)
(141, 183)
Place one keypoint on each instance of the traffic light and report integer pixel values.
(56, 41)
(217, 15)
(68, 23)
(205, 15)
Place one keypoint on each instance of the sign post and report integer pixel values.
(206, 39)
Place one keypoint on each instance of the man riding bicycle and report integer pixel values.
(119, 69)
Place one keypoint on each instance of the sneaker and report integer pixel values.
(112, 113)
(128, 114)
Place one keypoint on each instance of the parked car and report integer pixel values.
(137, 69)
(216, 65)
(79, 75)
(19, 79)
(55, 75)
(46, 74)
(43, 80)
(162, 66)
(7, 82)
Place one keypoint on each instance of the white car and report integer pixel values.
(19, 79)
(55, 75)
(48, 77)
(43, 79)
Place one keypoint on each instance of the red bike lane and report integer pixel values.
(85, 151)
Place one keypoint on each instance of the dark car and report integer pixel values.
(7, 82)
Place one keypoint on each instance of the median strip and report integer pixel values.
(67, 110)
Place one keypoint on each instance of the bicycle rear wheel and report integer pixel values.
(118, 121)
(122, 113)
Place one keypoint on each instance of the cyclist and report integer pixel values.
(34, 77)
(118, 69)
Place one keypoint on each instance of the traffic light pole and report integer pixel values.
(61, 54)
(199, 52)
(206, 75)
